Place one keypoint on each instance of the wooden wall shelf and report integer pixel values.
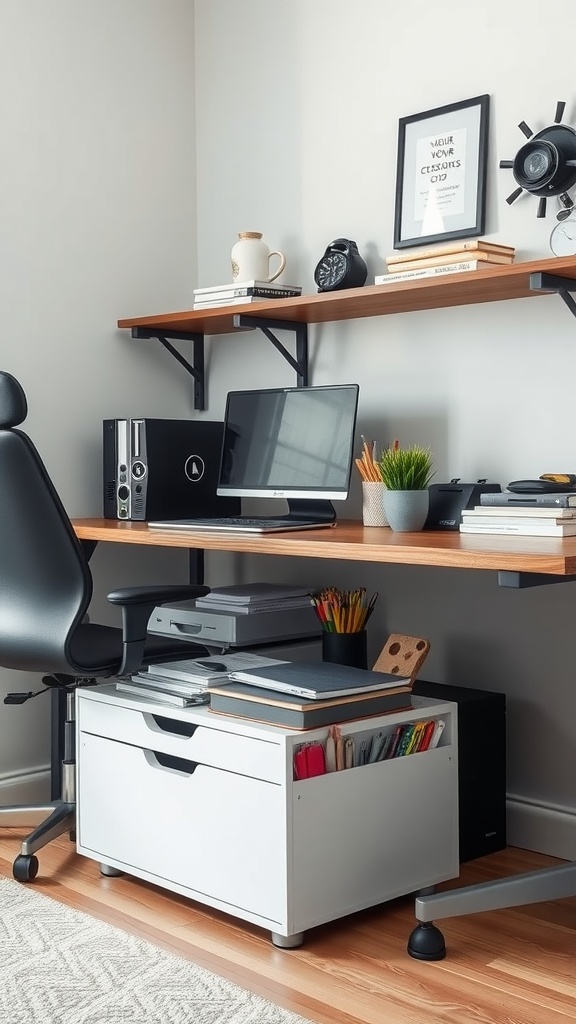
(518, 281)
(507, 282)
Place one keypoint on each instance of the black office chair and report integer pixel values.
(45, 591)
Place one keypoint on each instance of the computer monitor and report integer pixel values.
(293, 443)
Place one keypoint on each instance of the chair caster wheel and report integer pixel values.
(25, 867)
(427, 943)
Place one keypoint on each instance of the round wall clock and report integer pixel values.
(563, 237)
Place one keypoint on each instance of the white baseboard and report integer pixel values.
(541, 828)
(27, 788)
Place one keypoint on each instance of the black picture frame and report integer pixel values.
(441, 173)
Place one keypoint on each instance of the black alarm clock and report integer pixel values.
(340, 267)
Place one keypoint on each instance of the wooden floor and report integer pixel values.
(510, 967)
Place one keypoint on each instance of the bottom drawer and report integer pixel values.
(220, 834)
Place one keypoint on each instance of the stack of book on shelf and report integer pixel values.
(305, 695)
(531, 520)
(252, 598)
(456, 258)
(185, 683)
(242, 292)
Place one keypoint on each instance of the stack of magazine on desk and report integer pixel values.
(185, 683)
(304, 695)
(521, 520)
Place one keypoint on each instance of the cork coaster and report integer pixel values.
(402, 655)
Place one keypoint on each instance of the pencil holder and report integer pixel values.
(346, 648)
(373, 504)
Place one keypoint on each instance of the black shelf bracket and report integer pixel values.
(197, 370)
(300, 363)
(551, 283)
(522, 580)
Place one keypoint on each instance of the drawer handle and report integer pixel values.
(173, 725)
(192, 629)
(178, 764)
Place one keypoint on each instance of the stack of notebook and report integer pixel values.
(305, 695)
(185, 683)
(519, 520)
(242, 292)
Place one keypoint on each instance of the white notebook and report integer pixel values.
(319, 680)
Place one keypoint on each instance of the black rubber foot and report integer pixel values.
(427, 943)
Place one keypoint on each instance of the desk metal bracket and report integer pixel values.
(197, 370)
(551, 283)
(300, 363)
(521, 580)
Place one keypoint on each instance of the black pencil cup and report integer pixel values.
(346, 648)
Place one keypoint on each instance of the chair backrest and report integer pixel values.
(45, 582)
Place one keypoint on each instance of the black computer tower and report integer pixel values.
(163, 469)
(481, 765)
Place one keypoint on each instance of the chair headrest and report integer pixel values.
(13, 404)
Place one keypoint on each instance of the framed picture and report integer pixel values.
(441, 173)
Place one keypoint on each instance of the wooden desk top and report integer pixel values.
(351, 541)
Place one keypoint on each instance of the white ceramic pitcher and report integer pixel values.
(251, 258)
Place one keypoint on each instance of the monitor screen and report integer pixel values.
(289, 442)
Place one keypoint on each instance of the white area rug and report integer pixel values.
(61, 966)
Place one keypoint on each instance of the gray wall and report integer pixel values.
(98, 215)
(140, 137)
(297, 119)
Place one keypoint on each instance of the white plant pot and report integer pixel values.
(373, 503)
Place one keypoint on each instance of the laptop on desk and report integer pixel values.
(237, 524)
(290, 443)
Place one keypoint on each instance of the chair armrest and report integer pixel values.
(137, 604)
(157, 594)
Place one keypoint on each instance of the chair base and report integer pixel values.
(51, 820)
(426, 942)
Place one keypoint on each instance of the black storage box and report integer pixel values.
(448, 500)
(481, 765)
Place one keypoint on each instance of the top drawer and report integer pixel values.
(243, 755)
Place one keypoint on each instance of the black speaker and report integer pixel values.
(481, 765)
(163, 469)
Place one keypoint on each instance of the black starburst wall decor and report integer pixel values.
(545, 166)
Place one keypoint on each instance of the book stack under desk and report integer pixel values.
(301, 695)
(233, 829)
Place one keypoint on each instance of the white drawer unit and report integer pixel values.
(206, 805)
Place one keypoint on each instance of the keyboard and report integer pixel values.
(238, 524)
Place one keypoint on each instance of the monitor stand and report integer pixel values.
(316, 510)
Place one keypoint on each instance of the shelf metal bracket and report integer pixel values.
(551, 283)
(300, 363)
(197, 370)
(521, 580)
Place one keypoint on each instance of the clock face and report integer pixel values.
(330, 270)
(563, 238)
